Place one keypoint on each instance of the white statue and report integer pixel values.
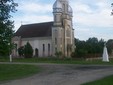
(10, 58)
(105, 54)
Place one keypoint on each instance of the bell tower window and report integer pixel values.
(64, 7)
(56, 41)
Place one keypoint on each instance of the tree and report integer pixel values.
(21, 51)
(6, 25)
(28, 50)
(110, 46)
(89, 48)
(112, 9)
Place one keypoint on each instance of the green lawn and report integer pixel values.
(105, 81)
(59, 61)
(9, 72)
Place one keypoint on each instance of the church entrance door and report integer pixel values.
(36, 52)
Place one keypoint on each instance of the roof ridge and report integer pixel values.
(37, 23)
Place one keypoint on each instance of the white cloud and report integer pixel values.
(32, 12)
(35, 8)
(29, 19)
(79, 7)
(88, 15)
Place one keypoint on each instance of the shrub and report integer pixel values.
(28, 50)
(58, 54)
(21, 51)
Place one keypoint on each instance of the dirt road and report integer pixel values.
(54, 74)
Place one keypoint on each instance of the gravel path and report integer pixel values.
(61, 74)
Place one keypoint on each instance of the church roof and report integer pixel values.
(35, 30)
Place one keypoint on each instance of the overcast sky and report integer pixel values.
(91, 18)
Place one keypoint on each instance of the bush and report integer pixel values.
(21, 51)
(28, 50)
(73, 55)
(58, 54)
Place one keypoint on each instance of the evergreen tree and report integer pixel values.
(28, 50)
(6, 25)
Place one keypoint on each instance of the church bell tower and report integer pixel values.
(62, 30)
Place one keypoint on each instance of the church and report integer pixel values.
(48, 38)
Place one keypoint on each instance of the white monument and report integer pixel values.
(10, 58)
(105, 54)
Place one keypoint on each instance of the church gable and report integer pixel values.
(35, 30)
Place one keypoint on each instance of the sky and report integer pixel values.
(91, 18)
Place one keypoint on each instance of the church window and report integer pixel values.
(55, 16)
(43, 47)
(56, 49)
(15, 46)
(49, 47)
(68, 33)
(55, 40)
(64, 7)
(55, 32)
(36, 52)
(61, 41)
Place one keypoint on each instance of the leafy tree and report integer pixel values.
(110, 46)
(6, 25)
(80, 50)
(89, 48)
(28, 50)
(21, 51)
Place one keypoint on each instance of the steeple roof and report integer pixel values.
(64, 0)
(70, 11)
(57, 5)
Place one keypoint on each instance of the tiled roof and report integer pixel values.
(35, 30)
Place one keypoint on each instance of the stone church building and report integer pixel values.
(47, 38)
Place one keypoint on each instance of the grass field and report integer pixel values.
(58, 61)
(9, 72)
(105, 81)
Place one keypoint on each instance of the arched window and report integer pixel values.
(56, 41)
(43, 47)
(36, 52)
(64, 7)
(68, 32)
(48, 49)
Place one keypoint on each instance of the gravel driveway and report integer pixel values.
(61, 74)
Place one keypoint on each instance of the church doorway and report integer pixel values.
(36, 52)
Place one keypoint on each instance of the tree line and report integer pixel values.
(91, 47)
